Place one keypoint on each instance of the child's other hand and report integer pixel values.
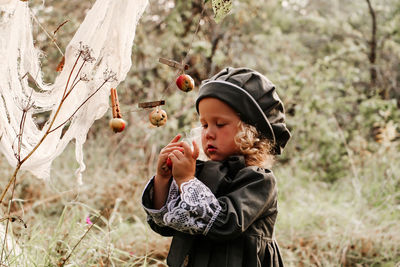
(163, 171)
(184, 163)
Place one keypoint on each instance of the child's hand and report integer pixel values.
(163, 171)
(184, 163)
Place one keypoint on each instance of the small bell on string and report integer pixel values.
(117, 124)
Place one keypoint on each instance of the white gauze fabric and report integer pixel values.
(108, 32)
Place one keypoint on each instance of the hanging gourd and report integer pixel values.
(117, 124)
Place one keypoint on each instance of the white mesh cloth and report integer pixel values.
(108, 30)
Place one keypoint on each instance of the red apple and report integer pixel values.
(117, 125)
(169, 161)
(185, 83)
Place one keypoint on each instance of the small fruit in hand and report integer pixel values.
(117, 125)
(169, 161)
(185, 83)
(158, 117)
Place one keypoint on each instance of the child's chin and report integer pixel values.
(215, 157)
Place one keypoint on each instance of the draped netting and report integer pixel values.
(98, 57)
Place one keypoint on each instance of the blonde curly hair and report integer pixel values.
(256, 149)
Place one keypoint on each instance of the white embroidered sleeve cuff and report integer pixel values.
(194, 211)
(158, 215)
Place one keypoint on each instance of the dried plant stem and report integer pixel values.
(8, 221)
(70, 74)
(79, 241)
(13, 178)
(21, 130)
(80, 106)
(49, 130)
(67, 91)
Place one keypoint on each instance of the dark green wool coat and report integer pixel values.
(243, 232)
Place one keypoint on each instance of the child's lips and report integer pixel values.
(211, 149)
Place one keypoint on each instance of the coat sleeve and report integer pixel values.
(155, 217)
(192, 211)
(252, 192)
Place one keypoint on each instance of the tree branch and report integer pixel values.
(372, 45)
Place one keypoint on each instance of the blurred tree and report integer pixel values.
(332, 61)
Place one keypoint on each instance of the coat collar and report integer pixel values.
(215, 174)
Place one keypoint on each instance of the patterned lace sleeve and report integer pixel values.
(194, 211)
(157, 215)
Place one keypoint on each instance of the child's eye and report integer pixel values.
(204, 126)
(221, 124)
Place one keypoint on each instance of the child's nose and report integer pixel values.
(210, 133)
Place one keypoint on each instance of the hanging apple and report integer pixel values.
(185, 83)
(158, 117)
(117, 125)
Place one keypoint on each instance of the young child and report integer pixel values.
(222, 212)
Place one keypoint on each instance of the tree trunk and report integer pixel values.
(373, 46)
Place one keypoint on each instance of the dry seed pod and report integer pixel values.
(60, 65)
(158, 117)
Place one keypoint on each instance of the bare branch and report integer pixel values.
(59, 26)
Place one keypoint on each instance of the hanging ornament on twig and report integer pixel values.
(158, 117)
(117, 124)
(184, 82)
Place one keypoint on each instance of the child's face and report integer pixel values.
(219, 127)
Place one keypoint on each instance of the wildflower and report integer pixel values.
(88, 221)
